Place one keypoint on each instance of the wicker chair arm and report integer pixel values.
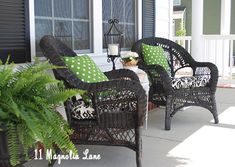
(213, 72)
(122, 73)
(118, 85)
(164, 77)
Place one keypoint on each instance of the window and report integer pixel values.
(125, 12)
(14, 31)
(68, 20)
(177, 2)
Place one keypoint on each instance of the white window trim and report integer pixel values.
(139, 18)
(32, 30)
(97, 27)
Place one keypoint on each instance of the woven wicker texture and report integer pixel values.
(119, 114)
(161, 91)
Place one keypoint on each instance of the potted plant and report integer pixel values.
(28, 97)
(130, 60)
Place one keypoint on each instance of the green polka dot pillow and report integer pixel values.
(85, 69)
(155, 55)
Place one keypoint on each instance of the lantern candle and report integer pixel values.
(113, 49)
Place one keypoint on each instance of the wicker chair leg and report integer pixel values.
(214, 109)
(138, 147)
(168, 113)
(138, 159)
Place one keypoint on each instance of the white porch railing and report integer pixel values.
(218, 49)
(184, 41)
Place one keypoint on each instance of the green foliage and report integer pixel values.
(181, 32)
(127, 59)
(28, 97)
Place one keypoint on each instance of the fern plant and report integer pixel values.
(28, 97)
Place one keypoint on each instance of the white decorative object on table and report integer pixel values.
(130, 60)
(113, 49)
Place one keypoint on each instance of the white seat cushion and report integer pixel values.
(190, 82)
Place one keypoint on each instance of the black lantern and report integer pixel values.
(113, 41)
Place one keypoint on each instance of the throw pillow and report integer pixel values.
(85, 69)
(80, 110)
(155, 55)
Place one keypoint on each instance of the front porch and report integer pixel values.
(194, 141)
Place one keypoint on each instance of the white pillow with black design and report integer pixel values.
(190, 82)
(82, 111)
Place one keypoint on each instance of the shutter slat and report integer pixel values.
(148, 18)
(13, 30)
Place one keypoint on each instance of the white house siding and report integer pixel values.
(163, 15)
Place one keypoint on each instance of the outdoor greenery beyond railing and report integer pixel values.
(218, 49)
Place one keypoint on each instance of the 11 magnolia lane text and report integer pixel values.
(86, 155)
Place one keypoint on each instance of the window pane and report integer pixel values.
(118, 10)
(81, 9)
(81, 36)
(43, 8)
(62, 8)
(105, 30)
(121, 29)
(125, 12)
(106, 9)
(129, 36)
(43, 27)
(177, 2)
(130, 11)
(63, 31)
(72, 28)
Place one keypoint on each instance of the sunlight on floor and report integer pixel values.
(212, 145)
(228, 116)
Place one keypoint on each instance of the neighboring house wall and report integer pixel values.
(188, 20)
(211, 20)
(233, 17)
(232, 28)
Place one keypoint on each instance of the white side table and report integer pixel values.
(143, 77)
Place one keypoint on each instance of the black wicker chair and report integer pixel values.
(161, 89)
(119, 114)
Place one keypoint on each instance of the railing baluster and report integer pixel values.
(223, 70)
(231, 59)
(189, 46)
(216, 53)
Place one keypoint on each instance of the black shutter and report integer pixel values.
(14, 30)
(148, 18)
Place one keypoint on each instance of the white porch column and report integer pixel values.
(197, 30)
(225, 30)
(225, 17)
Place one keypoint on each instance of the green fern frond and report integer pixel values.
(27, 98)
(13, 147)
(6, 74)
